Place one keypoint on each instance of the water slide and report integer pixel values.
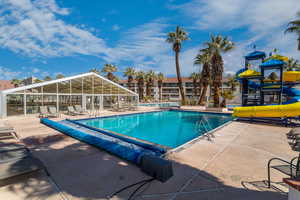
(290, 108)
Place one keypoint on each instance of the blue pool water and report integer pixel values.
(167, 128)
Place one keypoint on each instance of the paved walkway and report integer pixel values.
(206, 170)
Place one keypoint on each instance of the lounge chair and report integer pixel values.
(133, 107)
(4, 147)
(5, 128)
(293, 133)
(15, 161)
(43, 112)
(71, 111)
(117, 108)
(8, 133)
(53, 112)
(79, 109)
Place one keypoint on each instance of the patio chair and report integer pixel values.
(6, 128)
(79, 109)
(53, 111)
(4, 147)
(133, 107)
(293, 133)
(8, 133)
(43, 112)
(290, 168)
(15, 161)
(71, 111)
(117, 108)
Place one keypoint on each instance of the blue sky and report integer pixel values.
(47, 37)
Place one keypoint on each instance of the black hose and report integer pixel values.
(129, 186)
(138, 188)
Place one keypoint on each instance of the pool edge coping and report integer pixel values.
(169, 150)
(195, 140)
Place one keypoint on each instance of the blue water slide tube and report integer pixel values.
(158, 150)
(290, 92)
(125, 150)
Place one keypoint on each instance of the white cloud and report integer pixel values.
(35, 70)
(230, 14)
(115, 27)
(32, 28)
(146, 47)
(141, 43)
(263, 23)
(7, 74)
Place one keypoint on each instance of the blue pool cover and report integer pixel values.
(127, 150)
(150, 147)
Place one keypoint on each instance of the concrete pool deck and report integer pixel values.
(205, 170)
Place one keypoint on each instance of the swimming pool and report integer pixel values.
(166, 128)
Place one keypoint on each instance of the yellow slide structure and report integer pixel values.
(291, 76)
(288, 76)
(286, 110)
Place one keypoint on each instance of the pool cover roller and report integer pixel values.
(125, 150)
(149, 161)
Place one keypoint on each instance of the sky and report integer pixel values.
(48, 37)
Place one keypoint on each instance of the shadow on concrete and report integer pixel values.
(84, 172)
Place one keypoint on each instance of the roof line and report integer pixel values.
(61, 80)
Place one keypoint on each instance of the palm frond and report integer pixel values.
(294, 23)
(292, 29)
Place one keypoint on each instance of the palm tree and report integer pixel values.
(216, 47)
(47, 78)
(160, 79)
(176, 38)
(16, 82)
(292, 64)
(204, 58)
(232, 83)
(129, 72)
(226, 94)
(94, 70)
(109, 69)
(37, 81)
(59, 76)
(150, 77)
(195, 77)
(273, 77)
(294, 27)
(140, 78)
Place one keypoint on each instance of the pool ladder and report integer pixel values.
(204, 124)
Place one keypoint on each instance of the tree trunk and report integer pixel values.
(199, 88)
(195, 88)
(179, 77)
(223, 104)
(159, 92)
(217, 66)
(110, 76)
(129, 82)
(217, 94)
(141, 90)
(148, 89)
(203, 94)
(299, 43)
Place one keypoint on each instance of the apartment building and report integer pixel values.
(170, 89)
